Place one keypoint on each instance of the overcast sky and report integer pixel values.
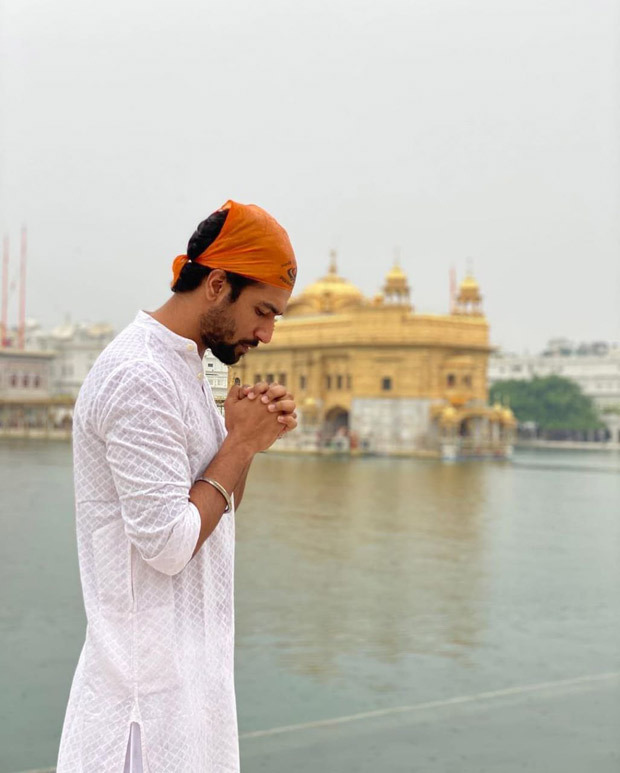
(445, 128)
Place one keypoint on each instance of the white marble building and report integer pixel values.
(39, 384)
(394, 424)
(75, 346)
(26, 406)
(217, 376)
(595, 367)
(598, 375)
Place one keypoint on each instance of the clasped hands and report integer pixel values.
(276, 399)
(273, 399)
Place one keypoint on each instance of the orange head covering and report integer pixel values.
(251, 243)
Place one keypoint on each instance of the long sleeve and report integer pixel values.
(139, 417)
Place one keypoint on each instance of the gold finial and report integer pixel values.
(470, 267)
(333, 268)
(397, 257)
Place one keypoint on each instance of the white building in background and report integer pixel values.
(76, 346)
(71, 349)
(217, 376)
(594, 366)
(27, 409)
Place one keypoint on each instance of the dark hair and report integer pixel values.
(192, 274)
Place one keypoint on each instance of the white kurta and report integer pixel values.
(160, 634)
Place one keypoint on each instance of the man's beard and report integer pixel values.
(217, 331)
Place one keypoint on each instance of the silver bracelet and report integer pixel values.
(222, 491)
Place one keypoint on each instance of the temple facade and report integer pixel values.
(374, 376)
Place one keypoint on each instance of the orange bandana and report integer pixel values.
(251, 243)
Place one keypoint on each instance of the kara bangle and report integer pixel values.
(222, 491)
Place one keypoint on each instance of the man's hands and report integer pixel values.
(277, 400)
(258, 415)
(255, 417)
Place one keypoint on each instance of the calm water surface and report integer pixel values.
(364, 585)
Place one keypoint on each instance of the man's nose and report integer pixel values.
(264, 332)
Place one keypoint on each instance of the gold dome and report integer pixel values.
(331, 293)
(470, 281)
(449, 415)
(334, 285)
(496, 412)
(396, 288)
(397, 273)
(508, 416)
(469, 290)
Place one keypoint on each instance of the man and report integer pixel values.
(158, 474)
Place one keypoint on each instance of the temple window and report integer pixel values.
(328, 382)
(13, 380)
(467, 381)
(257, 378)
(338, 382)
(302, 382)
(37, 381)
(451, 379)
(282, 379)
(386, 384)
(26, 381)
(269, 378)
(348, 382)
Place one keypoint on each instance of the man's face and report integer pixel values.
(230, 329)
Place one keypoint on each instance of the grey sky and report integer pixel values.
(446, 128)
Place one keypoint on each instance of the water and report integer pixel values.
(365, 586)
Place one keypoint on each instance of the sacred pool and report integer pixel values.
(392, 614)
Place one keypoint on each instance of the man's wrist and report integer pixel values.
(240, 447)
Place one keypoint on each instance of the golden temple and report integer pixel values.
(374, 375)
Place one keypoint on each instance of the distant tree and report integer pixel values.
(557, 405)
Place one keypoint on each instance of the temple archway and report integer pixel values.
(465, 430)
(335, 424)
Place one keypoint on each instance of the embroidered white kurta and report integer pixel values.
(160, 634)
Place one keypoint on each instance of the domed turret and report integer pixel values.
(470, 290)
(496, 411)
(508, 417)
(469, 299)
(396, 288)
(449, 416)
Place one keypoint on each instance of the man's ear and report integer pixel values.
(215, 285)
